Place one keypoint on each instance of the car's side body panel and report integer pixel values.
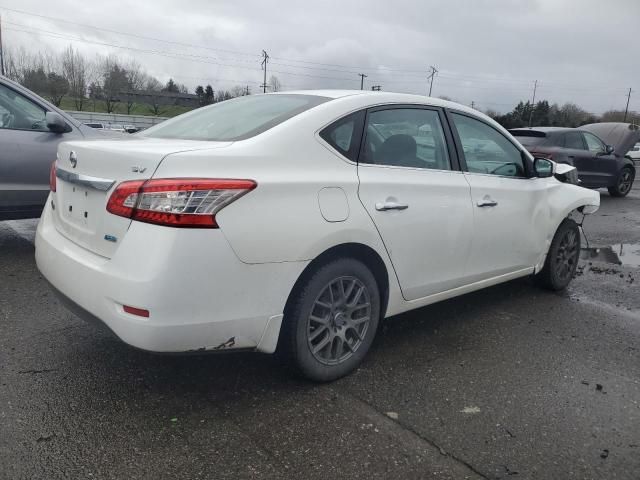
(228, 288)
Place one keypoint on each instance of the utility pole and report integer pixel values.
(533, 102)
(1, 50)
(376, 88)
(434, 70)
(473, 104)
(362, 77)
(626, 110)
(265, 59)
(246, 90)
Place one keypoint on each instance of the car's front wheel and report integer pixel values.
(562, 258)
(623, 184)
(331, 322)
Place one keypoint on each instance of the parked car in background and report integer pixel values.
(634, 153)
(30, 130)
(130, 128)
(297, 221)
(599, 158)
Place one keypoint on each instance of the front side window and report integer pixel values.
(236, 119)
(486, 150)
(405, 137)
(593, 143)
(574, 140)
(20, 113)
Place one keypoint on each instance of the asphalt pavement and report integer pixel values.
(509, 382)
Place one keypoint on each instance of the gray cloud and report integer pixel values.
(487, 51)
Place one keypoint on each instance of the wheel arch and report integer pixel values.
(359, 251)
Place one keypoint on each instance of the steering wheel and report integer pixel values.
(513, 164)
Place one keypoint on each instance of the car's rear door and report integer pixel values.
(418, 199)
(510, 211)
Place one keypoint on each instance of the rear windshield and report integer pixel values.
(529, 141)
(236, 119)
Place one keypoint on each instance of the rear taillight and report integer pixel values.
(52, 177)
(176, 202)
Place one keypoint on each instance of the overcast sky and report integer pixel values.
(487, 51)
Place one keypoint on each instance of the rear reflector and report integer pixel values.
(52, 177)
(140, 312)
(176, 202)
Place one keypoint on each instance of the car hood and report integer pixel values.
(621, 136)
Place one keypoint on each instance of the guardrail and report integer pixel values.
(139, 121)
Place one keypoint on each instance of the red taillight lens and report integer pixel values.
(176, 202)
(140, 312)
(52, 177)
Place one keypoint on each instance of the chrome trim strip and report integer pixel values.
(102, 184)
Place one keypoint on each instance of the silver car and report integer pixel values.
(30, 131)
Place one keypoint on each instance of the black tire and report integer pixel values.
(624, 183)
(301, 331)
(562, 259)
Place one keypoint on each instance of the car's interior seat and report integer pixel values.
(399, 150)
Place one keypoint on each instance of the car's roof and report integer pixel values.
(541, 129)
(377, 97)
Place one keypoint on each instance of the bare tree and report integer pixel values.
(135, 82)
(74, 68)
(274, 84)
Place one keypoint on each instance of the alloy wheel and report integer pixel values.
(625, 182)
(339, 320)
(567, 255)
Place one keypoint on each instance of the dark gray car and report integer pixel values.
(598, 151)
(30, 131)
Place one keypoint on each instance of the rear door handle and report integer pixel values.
(487, 202)
(384, 206)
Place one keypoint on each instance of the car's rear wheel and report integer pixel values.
(562, 258)
(623, 183)
(331, 322)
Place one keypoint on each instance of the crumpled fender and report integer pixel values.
(565, 198)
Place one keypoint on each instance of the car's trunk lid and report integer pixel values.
(87, 173)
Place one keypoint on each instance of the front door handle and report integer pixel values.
(487, 202)
(384, 206)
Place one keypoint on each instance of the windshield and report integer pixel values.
(236, 119)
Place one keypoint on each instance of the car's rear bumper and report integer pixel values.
(198, 294)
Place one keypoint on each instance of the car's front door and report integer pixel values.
(418, 199)
(27, 150)
(510, 211)
(600, 168)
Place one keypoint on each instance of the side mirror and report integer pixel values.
(55, 122)
(609, 149)
(543, 167)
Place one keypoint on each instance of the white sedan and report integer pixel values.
(296, 222)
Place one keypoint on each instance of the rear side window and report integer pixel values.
(573, 140)
(405, 137)
(345, 134)
(236, 119)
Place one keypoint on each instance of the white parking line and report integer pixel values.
(25, 228)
